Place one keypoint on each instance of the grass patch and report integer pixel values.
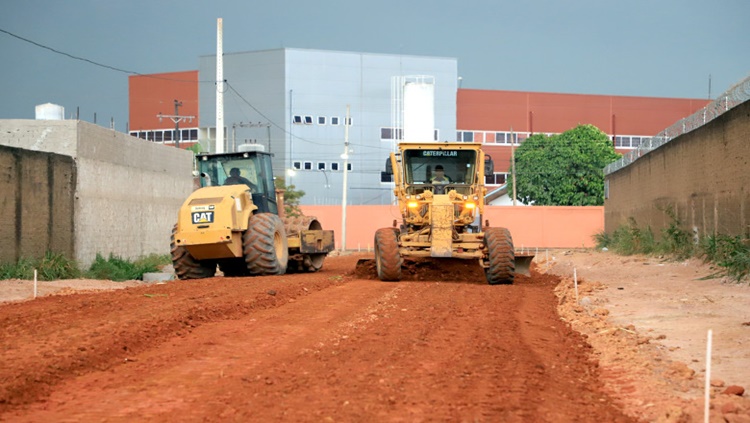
(51, 267)
(627, 239)
(118, 269)
(732, 254)
(55, 266)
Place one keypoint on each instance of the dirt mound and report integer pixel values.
(428, 269)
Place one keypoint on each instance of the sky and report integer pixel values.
(653, 48)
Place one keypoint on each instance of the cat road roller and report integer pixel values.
(440, 192)
(235, 221)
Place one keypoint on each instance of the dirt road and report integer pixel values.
(330, 346)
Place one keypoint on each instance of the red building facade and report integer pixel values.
(488, 116)
(154, 95)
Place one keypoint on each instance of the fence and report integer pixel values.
(532, 227)
(734, 96)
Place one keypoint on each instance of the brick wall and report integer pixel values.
(703, 176)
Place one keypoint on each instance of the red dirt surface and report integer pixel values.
(335, 345)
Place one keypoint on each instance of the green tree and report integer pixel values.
(565, 169)
(195, 148)
(291, 197)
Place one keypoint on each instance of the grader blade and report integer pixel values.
(523, 264)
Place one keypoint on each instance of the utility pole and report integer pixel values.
(513, 162)
(176, 118)
(250, 125)
(345, 156)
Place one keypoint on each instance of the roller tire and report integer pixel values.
(264, 245)
(310, 262)
(185, 265)
(388, 261)
(502, 267)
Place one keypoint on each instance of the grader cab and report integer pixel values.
(440, 192)
(235, 221)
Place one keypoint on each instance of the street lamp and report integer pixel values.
(328, 185)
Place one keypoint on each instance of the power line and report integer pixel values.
(231, 88)
(95, 63)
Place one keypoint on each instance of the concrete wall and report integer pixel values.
(127, 191)
(531, 227)
(704, 176)
(36, 204)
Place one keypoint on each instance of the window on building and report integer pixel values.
(465, 136)
(496, 179)
(621, 141)
(334, 120)
(349, 167)
(308, 120)
(158, 136)
(321, 120)
(321, 166)
(297, 120)
(335, 166)
(391, 133)
(307, 166)
(297, 165)
(635, 141)
(500, 137)
(349, 121)
(167, 135)
(437, 135)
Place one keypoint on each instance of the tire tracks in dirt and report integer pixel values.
(324, 347)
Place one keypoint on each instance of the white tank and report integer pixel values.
(49, 111)
(419, 109)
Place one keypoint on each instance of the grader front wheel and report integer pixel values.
(501, 259)
(387, 258)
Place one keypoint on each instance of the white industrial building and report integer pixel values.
(294, 102)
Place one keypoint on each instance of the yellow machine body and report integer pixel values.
(212, 219)
(440, 221)
(440, 192)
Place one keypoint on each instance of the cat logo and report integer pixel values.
(203, 217)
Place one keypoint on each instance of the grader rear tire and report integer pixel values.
(264, 245)
(185, 265)
(387, 258)
(502, 268)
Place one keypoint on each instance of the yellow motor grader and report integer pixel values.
(235, 221)
(440, 192)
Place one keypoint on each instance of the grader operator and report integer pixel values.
(440, 192)
(235, 221)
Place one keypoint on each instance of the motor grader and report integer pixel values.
(440, 192)
(235, 221)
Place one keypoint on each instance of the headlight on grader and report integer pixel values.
(412, 204)
(470, 205)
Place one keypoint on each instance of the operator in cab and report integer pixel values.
(440, 177)
(236, 179)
